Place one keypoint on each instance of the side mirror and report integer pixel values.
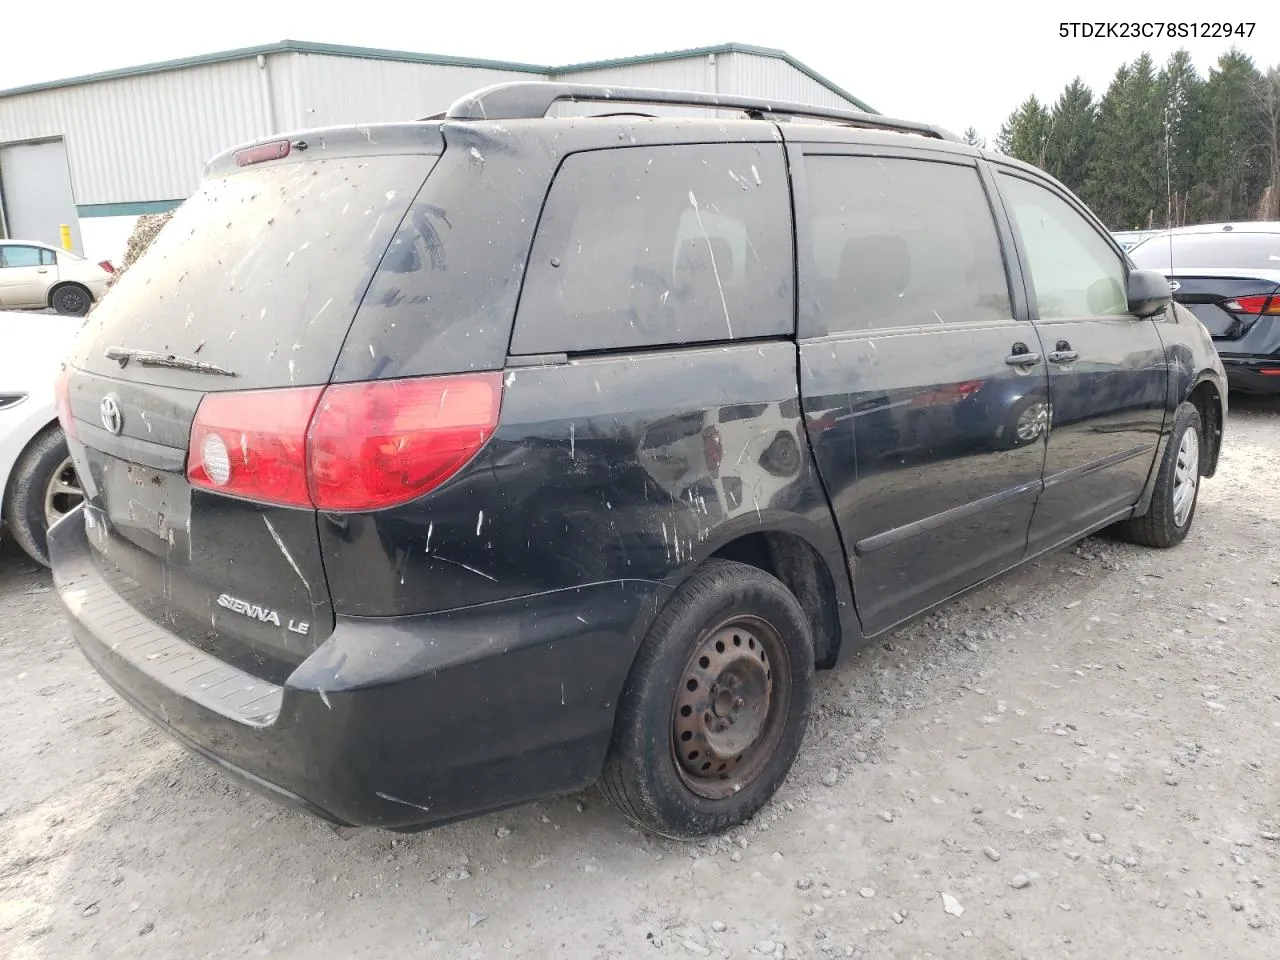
(1149, 293)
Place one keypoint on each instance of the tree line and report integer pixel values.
(1162, 147)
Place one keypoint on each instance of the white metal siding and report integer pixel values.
(145, 137)
(692, 73)
(35, 190)
(315, 90)
(750, 75)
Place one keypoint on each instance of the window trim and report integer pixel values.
(1033, 302)
(809, 326)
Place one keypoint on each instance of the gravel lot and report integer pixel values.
(1078, 761)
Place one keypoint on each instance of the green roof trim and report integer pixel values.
(130, 209)
(723, 48)
(405, 56)
(284, 46)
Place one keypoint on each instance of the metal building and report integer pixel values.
(97, 151)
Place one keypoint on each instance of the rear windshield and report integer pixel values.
(259, 273)
(1227, 251)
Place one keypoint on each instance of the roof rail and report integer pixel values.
(530, 99)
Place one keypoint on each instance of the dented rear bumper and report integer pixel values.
(395, 722)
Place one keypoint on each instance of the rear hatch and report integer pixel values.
(242, 302)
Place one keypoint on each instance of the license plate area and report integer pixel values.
(149, 508)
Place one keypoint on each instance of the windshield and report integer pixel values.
(1228, 251)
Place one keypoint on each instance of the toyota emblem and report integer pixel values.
(112, 418)
(1174, 286)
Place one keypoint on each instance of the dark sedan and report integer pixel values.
(1228, 275)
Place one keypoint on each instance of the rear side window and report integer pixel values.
(259, 273)
(1232, 251)
(646, 246)
(21, 256)
(901, 243)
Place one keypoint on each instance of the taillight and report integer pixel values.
(106, 265)
(275, 150)
(253, 444)
(1254, 305)
(62, 400)
(377, 444)
(346, 447)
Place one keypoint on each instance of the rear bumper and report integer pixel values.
(1248, 374)
(401, 723)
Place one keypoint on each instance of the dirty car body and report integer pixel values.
(397, 643)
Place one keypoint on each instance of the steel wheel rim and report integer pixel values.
(1032, 421)
(1186, 476)
(72, 300)
(731, 706)
(63, 493)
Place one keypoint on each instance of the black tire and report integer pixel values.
(737, 614)
(24, 507)
(1160, 526)
(71, 300)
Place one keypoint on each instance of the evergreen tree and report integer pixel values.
(1163, 146)
(1181, 90)
(972, 138)
(1269, 102)
(1071, 142)
(1025, 134)
(1231, 142)
(1125, 182)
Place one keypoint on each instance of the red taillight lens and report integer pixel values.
(106, 265)
(254, 444)
(347, 447)
(1260, 304)
(62, 400)
(373, 445)
(275, 150)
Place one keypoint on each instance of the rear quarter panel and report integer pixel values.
(602, 469)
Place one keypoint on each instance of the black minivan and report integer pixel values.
(436, 467)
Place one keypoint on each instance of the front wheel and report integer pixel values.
(1173, 505)
(716, 705)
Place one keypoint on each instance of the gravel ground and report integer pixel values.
(1077, 761)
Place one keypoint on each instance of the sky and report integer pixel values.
(955, 65)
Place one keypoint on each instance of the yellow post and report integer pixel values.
(66, 236)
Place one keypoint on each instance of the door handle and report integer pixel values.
(1062, 353)
(1022, 359)
(42, 270)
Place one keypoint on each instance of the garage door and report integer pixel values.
(35, 188)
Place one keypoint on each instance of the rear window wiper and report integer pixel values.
(149, 358)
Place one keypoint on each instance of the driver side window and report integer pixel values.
(1075, 271)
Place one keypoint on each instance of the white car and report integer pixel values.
(36, 275)
(37, 480)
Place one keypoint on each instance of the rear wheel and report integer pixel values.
(1173, 505)
(71, 300)
(716, 705)
(42, 490)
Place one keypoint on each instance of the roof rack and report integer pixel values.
(531, 99)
